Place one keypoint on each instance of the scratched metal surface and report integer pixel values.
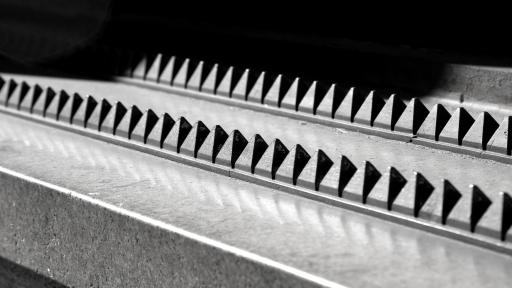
(462, 170)
(339, 245)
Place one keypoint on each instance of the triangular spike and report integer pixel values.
(213, 144)
(225, 84)
(10, 91)
(501, 142)
(272, 159)
(479, 205)
(153, 73)
(195, 139)
(240, 90)
(194, 82)
(31, 101)
(161, 130)
(90, 107)
(272, 96)
(168, 72)
(135, 117)
(413, 116)
(330, 102)
(16, 99)
(396, 184)
(145, 126)
(450, 198)
(457, 127)
(177, 135)
(371, 176)
(2, 83)
(309, 102)
(232, 149)
(114, 118)
(50, 96)
(369, 110)
(315, 171)
(350, 105)
(251, 154)
(128, 122)
(294, 95)
(180, 79)
(256, 93)
(434, 123)
(98, 116)
(293, 165)
(63, 99)
(506, 216)
(208, 85)
(422, 192)
(481, 131)
(70, 108)
(140, 70)
(390, 113)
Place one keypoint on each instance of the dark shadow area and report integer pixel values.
(17, 276)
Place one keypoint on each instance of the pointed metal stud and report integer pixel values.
(479, 205)
(434, 123)
(481, 131)
(450, 198)
(506, 216)
(501, 141)
(396, 184)
(422, 191)
(413, 116)
(371, 176)
(390, 113)
(457, 127)
(369, 110)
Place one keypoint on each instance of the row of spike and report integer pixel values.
(348, 104)
(272, 161)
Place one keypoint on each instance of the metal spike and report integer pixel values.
(70, 108)
(168, 72)
(177, 135)
(20, 96)
(312, 98)
(434, 123)
(271, 160)
(315, 171)
(36, 95)
(293, 165)
(63, 99)
(145, 126)
(294, 95)
(350, 104)
(251, 154)
(232, 149)
(271, 98)
(390, 113)
(423, 190)
(501, 142)
(506, 216)
(481, 131)
(224, 86)
(209, 83)
(195, 139)
(2, 83)
(371, 176)
(413, 116)
(479, 205)
(194, 82)
(450, 198)
(213, 144)
(180, 79)
(332, 99)
(396, 184)
(114, 118)
(457, 127)
(140, 70)
(161, 130)
(99, 115)
(153, 73)
(369, 110)
(258, 90)
(10, 90)
(128, 122)
(90, 106)
(241, 89)
(50, 95)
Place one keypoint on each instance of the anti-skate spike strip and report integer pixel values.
(278, 156)
(369, 110)
(479, 205)
(506, 217)
(450, 198)
(370, 178)
(457, 127)
(481, 131)
(412, 117)
(434, 123)
(501, 142)
(251, 154)
(422, 191)
(396, 182)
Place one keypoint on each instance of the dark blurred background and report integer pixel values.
(377, 45)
